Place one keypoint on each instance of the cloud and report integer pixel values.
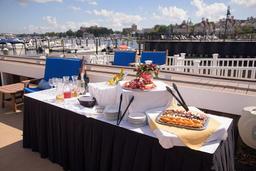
(246, 3)
(91, 2)
(24, 2)
(75, 8)
(52, 25)
(214, 11)
(171, 14)
(51, 21)
(117, 20)
(88, 12)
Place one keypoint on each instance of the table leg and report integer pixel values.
(2, 100)
(14, 105)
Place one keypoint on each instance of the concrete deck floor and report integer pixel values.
(12, 155)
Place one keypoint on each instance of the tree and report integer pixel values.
(50, 34)
(161, 29)
(70, 33)
(247, 29)
(79, 33)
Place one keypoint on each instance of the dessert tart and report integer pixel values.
(182, 118)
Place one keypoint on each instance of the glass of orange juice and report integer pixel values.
(59, 92)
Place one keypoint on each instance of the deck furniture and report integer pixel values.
(57, 67)
(124, 58)
(77, 139)
(157, 57)
(15, 91)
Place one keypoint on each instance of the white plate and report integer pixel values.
(137, 118)
(111, 109)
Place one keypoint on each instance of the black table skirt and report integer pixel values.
(79, 143)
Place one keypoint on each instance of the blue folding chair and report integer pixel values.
(158, 57)
(56, 67)
(124, 58)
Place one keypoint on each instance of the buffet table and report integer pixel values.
(78, 138)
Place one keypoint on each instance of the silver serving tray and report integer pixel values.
(180, 126)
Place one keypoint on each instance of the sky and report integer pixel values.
(29, 16)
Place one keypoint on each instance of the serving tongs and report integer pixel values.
(180, 98)
(119, 116)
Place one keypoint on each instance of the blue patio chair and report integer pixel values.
(124, 58)
(56, 67)
(158, 57)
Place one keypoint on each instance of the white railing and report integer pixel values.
(102, 59)
(241, 68)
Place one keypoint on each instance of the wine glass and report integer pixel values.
(125, 76)
(74, 78)
(50, 81)
(65, 79)
(59, 80)
(54, 81)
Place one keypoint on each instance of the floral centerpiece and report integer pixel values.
(147, 69)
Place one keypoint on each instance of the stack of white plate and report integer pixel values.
(111, 112)
(137, 119)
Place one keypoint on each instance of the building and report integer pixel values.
(130, 30)
(183, 28)
(134, 28)
(204, 27)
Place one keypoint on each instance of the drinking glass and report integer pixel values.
(59, 92)
(67, 88)
(125, 76)
(74, 78)
(59, 80)
(54, 81)
(50, 81)
(65, 79)
(74, 86)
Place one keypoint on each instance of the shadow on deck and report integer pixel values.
(12, 155)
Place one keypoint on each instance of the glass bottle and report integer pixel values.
(82, 84)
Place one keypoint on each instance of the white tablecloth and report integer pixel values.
(146, 100)
(48, 96)
(105, 94)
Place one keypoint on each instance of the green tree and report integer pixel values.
(70, 33)
(161, 29)
(247, 29)
(51, 34)
(79, 33)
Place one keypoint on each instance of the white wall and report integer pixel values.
(217, 100)
(22, 69)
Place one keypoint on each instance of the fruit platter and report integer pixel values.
(143, 82)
